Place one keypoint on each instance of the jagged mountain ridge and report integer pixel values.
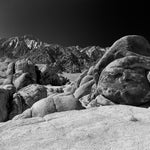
(68, 59)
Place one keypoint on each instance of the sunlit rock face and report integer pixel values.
(109, 127)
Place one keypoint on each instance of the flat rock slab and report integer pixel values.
(117, 127)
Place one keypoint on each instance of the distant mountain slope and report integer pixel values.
(68, 59)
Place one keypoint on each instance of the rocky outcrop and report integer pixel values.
(87, 78)
(51, 104)
(125, 46)
(109, 127)
(25, 66)
(69, 88)
(23, 80)
(10, 69)
(84, 89)
(49, 116)
(3, 69)
(23, 72)
(79, 79)
(26, 97)
(54, 89)
(121, 74)
(124, 81)
(97, 102)
(6, 92)
(50, 76)
(24, 76)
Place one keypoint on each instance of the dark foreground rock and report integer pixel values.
(26, 97)
(115, 127)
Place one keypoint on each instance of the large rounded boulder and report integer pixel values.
(9, 74)
(51, 104)
(124, 81)
(69, 88)
(99, 101)
(66, 102)
(32, 93)
(125, 46)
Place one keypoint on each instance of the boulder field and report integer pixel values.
(106, 108)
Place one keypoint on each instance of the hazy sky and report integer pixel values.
(74, 22)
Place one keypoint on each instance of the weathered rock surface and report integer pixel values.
(81, 76)
(99, 101)
(125, 46)
(26, 97)
(115, 127)
(25, 66)
(51, 104)
(121, 74)
(87, 78)
(23, 80)
(124, 81)
(66, 102)
(9, 73)
(50, 76)
(8, 80)
(6, 92)
(83, 90)
(54, 89)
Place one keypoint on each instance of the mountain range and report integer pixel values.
(70, 59)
